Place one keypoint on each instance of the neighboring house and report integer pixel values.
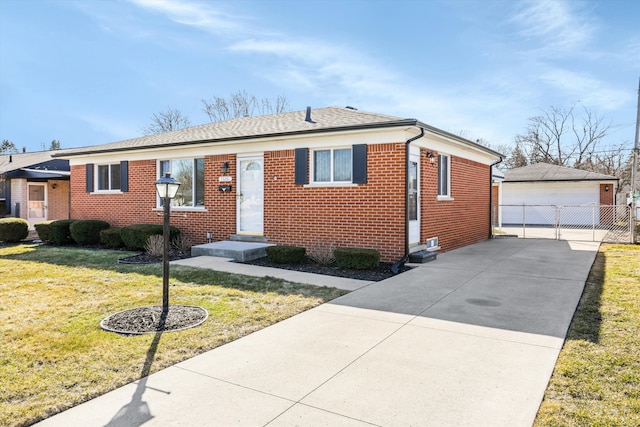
(329, 175)
(544, 185)
(34, 186)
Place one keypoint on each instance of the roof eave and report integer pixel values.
(399, 123)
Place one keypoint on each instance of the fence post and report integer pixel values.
(593, 223)
(558, 222)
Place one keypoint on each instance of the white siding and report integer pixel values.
(541, 199)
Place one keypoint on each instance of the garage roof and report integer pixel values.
(548, 172)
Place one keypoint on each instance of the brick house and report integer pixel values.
(336, 175)
(34, 186)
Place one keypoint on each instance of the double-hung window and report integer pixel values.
(190, 174)
(332, 165)
(444, 176)
(108, 177)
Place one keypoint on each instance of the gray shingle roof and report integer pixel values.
(548, 172)
(323, 120)
(9, 162)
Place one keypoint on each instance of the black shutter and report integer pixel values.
(302, 166)
(89, 177)
(359, 160)
(124, 175)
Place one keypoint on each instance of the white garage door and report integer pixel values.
(540, 200)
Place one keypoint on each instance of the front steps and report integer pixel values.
(239, 251)
(421, 257)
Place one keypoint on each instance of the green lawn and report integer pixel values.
(53, 353)
(596, 381)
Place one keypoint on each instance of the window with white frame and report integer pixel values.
(332, 165)
(444, 175)
(190, 174)
(108, 177)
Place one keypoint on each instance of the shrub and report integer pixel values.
(87, 231)
(182, 244)
(55, 232)
(135, 237)
(285, 254)
(357, 258)
(110, 237)
(12, 230)
(44, 230)
(155, 246)
(322, 252)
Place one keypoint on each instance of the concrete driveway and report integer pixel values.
(470, 339)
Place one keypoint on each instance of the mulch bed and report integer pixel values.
(150, 319)
(383, 271)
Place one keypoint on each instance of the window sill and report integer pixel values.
(182, 209)
(107, 192)
(445, 199)
(329, 184)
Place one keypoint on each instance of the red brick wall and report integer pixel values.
(463, 220)
(370, 215)
(58, 199)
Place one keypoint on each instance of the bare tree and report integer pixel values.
(559, 137)
(8, 147)
(166, 121)
(241, 104)
(516, 157)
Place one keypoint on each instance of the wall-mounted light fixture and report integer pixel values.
(224, 168)
(54, 186)
(606, 188)
(431, 157)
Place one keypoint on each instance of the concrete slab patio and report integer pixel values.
(470, 339)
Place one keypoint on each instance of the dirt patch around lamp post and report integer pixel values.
(151, 319)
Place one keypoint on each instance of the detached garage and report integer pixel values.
(531, 194)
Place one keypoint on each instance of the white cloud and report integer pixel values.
(199, 15)
(557, 26)
(587, 90)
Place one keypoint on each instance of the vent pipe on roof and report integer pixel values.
(10, 158)
(24, 149)
(308, 117)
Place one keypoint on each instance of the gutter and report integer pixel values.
(491, 194)
(395, 268)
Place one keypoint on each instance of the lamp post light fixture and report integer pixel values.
(167, 188)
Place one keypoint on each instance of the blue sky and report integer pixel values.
(90, 72)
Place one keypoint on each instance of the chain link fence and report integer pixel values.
(598, 223)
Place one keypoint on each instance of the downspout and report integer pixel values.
(395, 268)
(491, 196)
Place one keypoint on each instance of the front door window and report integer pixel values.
(37, 204)
(251, 196)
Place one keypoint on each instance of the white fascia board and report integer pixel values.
(443, 145)
(250, 146)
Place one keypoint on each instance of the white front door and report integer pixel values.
(37, 211)
(250, 196)
(414, 198)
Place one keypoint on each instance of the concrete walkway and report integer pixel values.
(470, 339)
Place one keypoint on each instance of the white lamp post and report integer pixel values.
(167, 188)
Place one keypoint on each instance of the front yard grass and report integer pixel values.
(53, 353)
(596, 381)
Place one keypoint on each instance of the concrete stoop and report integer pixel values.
(239, 251)
(421, 257)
